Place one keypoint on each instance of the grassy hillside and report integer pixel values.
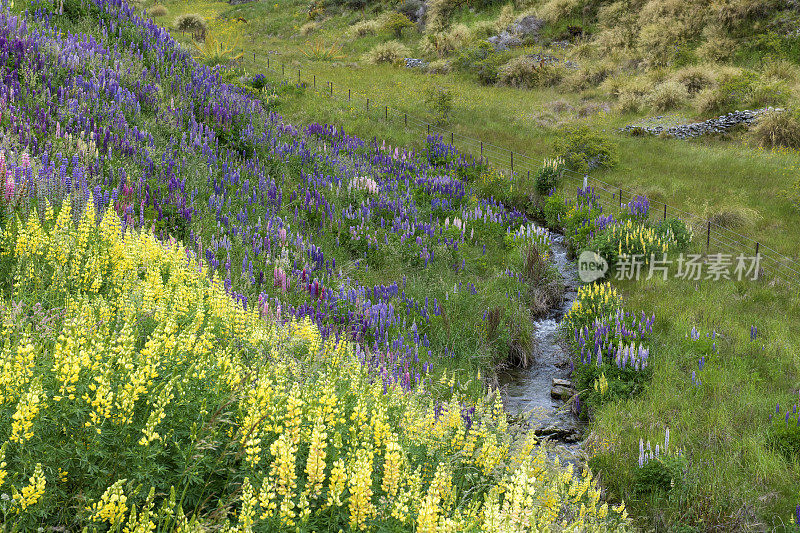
(530, 119)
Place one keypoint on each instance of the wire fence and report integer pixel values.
(514, 163)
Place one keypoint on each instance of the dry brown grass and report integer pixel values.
(388, 52)
(527, 73)
(667, 96)
(158, 11)
(777, 128)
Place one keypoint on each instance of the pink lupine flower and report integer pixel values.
(8, 192)
(26, 160)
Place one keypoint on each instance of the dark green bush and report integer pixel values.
(681, 233)
(396, 23)
(623, 383)
(482, 61)
(660, 474)
(584, 149)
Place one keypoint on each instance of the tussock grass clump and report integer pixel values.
(666, 96)
(438, 15)
(364, 28)
(443, 43)
(717, 47)
(158, 11)
(780, 69)
(559, 106)
(388, 52)
(587, 77)
(310, 27)
(194, 23)
(732, 216)
(695, 78)
(769, 92)
(554, 10)
(526, 72)
(440, 66)
(777, 128)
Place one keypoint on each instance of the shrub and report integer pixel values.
(443, 43)
(388, 52)
(734, 90)
(584, 149)
(768, 92)
(666, 96)
(660, 474)
(395, 23)
(364, 28)
(158, 11)
(439, 101)
(680, 232)
(527, 72)
(482, 60)
(194, 23)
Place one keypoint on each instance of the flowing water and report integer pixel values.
(527, 392)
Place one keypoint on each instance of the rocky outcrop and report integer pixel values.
(525, 28)
(415, 63)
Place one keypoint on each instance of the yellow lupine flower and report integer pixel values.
(360, 485)
(27, 409)
(3, 472)
(33, 491)
(315, 464)
(112, 506)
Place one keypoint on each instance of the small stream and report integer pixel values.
(527, 392)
